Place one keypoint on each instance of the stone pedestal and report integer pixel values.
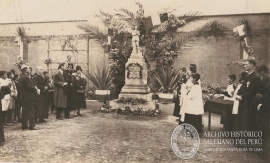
(136, 78)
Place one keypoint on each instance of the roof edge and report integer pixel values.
(44, 22)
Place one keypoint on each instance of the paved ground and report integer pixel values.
(102, 137)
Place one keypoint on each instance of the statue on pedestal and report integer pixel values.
(135, 39)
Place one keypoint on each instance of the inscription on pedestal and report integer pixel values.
(134, 71)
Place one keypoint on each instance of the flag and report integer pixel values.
(163, 17)
(245, 49)
(154, 20)
(240, 30)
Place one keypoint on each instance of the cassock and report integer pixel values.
(41, 111)
(246, 118)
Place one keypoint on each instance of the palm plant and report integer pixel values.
(102, 80)
(166, 79)
(213, 29)
(94, 32)
(21, 32)
(161, 43)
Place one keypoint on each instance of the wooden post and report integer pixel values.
(88, 57)
(48, 54)
(209, 120)
(88, 54)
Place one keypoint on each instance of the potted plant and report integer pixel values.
(102, 80)
(166, 80)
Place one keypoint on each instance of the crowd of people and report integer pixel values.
(28, 98)
(251, 100)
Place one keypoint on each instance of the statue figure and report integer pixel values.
(135, 38)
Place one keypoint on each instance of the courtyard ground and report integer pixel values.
(104, 137)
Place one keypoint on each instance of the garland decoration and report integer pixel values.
(127, 111)
(130, 100)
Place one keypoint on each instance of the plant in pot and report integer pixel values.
(165, 79)
(102, 80)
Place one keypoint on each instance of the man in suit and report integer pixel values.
(264, 109)
(246, 119)
(60, 97)
(28, 95)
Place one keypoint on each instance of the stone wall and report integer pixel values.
(210, 55)
(37, 53)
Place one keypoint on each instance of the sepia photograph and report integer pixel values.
(134, 81)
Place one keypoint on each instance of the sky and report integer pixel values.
(12, 11)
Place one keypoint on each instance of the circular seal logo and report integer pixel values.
(185, 141)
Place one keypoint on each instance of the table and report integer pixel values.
(220, 107)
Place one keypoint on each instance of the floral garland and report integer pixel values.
(130, 100)
(48, 61)
(127, 111)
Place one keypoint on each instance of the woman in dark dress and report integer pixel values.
(78, 90)
(4, 90)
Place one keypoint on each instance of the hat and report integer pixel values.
(78, 68)
(192, 65)
(61, 64)
(45, 72)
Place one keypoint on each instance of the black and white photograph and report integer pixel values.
(139, 81)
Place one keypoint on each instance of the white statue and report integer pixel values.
(135, 38)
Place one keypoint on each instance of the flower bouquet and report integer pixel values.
(48, 61)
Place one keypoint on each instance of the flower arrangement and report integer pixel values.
(127, 111)
(48, 61)
(18, 64)
(237, 63)
(130, 100)
(90, 93)
(210, 91)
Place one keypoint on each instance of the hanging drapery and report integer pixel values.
(241, 33)
(19, 42)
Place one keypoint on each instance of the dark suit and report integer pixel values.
(176, 110)
(28, 96)
(60, 97)
(67, 75)
(49, 93)
(264, 115)
(246, 118)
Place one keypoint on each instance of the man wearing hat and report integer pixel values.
(28, 95)
(60, 97)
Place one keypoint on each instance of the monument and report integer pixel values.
(136, 73)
